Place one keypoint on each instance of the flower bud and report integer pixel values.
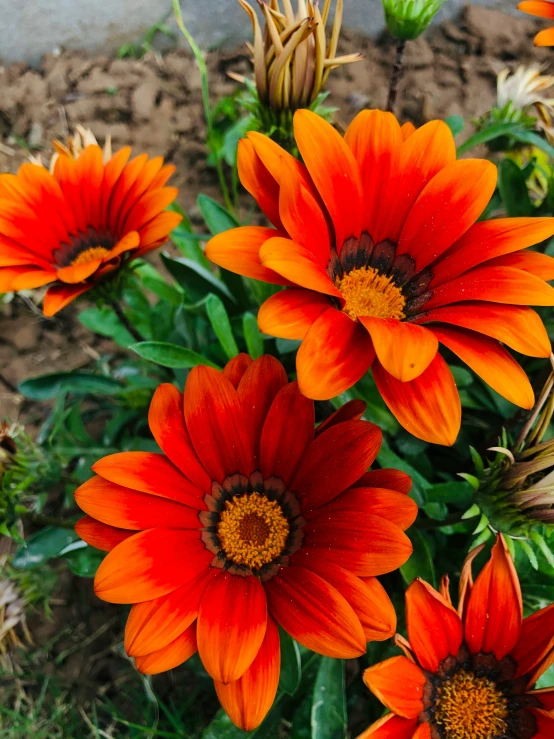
(407, 19)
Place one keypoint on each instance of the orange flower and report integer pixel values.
(544, 9)
(376, 236)
(468, 674)
(248, 520)
(77, 225)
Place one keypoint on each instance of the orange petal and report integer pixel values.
(536, 640)
(398, 684)
(297, 264)
(494, 611)
(78, 272)
(150, 564)
(542, 8)
(157, 230)
(518, 327)
(152, 625)
(272, 156)
(435, 630)
(423, 731)
(248, 699)
(236, 367)
(166, 419)
(295, 596)
(385, 478)
(450, 203)
(283, 443)
(257, 180)
(57, 298)
(390, 726)
(232, 622)
(488, 239)
(290, 313)
(404, 349)
(100, 535)
(335, 354)
(124, 508)
(148, 472)
(490, 361)
(375, 140)
(334, 170)
(494, 284)
(545, 38)
(319, 478)
(367, 597)
(428, 407)
(540, 265)
(23, 278)
(172, 655)
(238, 251)
(407, 129)
(129, 242)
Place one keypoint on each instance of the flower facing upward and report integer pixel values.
(77, 225)
(544, 9)
(376, 235)
(468, 674)
(248, 520)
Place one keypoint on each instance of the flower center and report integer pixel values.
(88, 255)
(252, 530)
(369, 293)
(471, 707)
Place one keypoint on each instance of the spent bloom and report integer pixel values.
(524, 88)
(468, 673)
(77, 226)
(248, 519)
(407, 19)
(377, 243)
(544, 9)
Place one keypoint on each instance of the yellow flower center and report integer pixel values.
(252, 530)
(88, 255)
(471, 707)
(368, 293)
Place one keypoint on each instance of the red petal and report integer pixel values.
(236, 367)
(297, 265)
(216, 424)
(287, 431)
(546, 697)
(99, 535)
(536, 640)
(248, 699)
(232, 623)
(385, 478)
(494, 611)
(334, 355)
(172, 655)
(435, 630)
(353, 410)
(395, 507)
(429, 406)
(150, 564)
(295, 597)
(58, 297)
(398, 684)
(545, 721)
(390, 726)
(289, 314)
(540, 265)
(335, 460)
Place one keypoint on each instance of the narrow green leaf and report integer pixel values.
(217, 218)
(221, 325)
(513, 190)
(328, 716)
(252, 336)
(421, 562)
(473, 481)
(543, 546)
(43, 546)
(196, 280)
(170, 355)
(489, 134)
(103, 321)
(46, 387)
(531, 556)
(291, 666)
(455, 123)
(534, 139)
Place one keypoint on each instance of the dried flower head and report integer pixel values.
(407, 19)
(524, 88)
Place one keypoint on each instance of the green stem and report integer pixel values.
(396, 75)
(203, 69)
(118, 310)
(40, 520)
(11, 387)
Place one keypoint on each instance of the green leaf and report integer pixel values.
(534, 139)
(420, 563)
(170, 355)
(46, 387)
(489, 134)
(196, 280)
(328, 717)
(455, 123)
(187, 241)
(291, 666)
(217, 218)
(252, 336)
(453, 492)
(221, 325)
(103, 321)
(43, 546)
(83, 560)
(513, 189)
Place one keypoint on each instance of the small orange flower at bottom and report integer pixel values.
(468, 674)
(251, 518)
(543, 9)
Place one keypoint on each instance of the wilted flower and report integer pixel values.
(524, 88)
(292, 57)
(7, 445)
(407, 19)
(12, 616)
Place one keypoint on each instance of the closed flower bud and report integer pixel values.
(407, 19)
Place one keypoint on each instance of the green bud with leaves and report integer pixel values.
(407, 19)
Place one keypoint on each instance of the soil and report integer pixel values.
(155, 105)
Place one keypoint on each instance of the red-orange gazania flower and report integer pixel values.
(77, 225)
(248, 520)
(376, 236)
(544, 9)
(468, 674)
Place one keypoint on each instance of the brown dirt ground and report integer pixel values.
(155, 105)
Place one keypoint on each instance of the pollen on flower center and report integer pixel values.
(252, 530)
(471, 707)
(88, 255)
(369, 293)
